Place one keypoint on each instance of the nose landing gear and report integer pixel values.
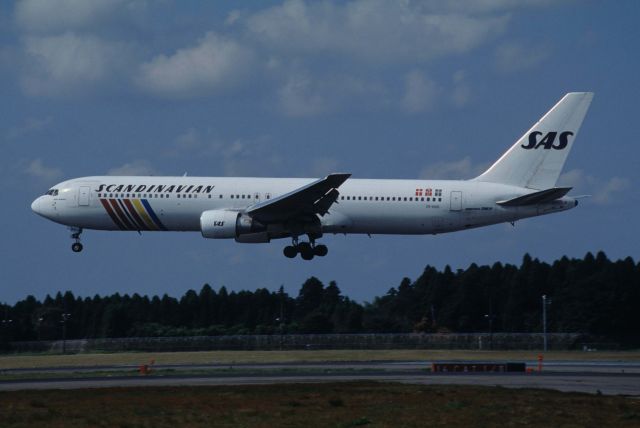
(76, 247)
(307, 250)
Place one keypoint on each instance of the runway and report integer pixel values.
(610, 378)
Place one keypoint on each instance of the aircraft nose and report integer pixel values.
(35, 206)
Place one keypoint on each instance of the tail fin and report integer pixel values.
(536, 159)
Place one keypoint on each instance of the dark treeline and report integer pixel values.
(592, 295)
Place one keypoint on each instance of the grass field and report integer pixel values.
(237, 357)
(315, 405)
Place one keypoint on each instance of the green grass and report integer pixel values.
(315, 405)
(236, 357)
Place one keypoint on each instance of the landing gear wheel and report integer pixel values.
(76, 247)
(306, 250)
(320, 250)
(290, 251)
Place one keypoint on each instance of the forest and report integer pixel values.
(592, 295)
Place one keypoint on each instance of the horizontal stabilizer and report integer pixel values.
(536, 197)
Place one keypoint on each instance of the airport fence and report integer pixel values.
(482, 341)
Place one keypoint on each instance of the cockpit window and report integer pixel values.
(52, 192)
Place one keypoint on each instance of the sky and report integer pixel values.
(379, 89)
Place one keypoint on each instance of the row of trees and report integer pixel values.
(592, 295)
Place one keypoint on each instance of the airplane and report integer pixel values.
(520, 184)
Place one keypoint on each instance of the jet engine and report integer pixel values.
(222, 224)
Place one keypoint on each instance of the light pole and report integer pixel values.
(65, 318)
(545, 302)
(280, 319)
(39, 322)
(489, 317)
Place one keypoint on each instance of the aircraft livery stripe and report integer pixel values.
(134, 215)
(153, 214)
(127, 214)
(140, 209)
(109, 211)
(121, 216)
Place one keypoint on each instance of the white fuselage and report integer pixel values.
(520, 184)
(364, 206)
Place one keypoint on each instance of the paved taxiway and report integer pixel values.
(615, 378)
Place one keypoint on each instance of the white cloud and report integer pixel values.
(31, 125)
(40, 16)
(69, 62)
(461, 93)
(299, 96)
(188, 140)
(420, 92)
(138, 167)
(608, 190)
(461, 169)
(513, 56)
(215, 63)
(37, 169)
(482, 6)
(374, 30)
(303, 95)
(324, 165)
(246, 157)
(603, 192)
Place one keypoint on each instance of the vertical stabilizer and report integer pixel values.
(536, 159)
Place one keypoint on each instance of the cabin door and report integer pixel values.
(456, 201)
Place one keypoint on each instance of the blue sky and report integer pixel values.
(375, 88)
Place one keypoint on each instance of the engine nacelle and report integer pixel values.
(222, 224)
(219, 224)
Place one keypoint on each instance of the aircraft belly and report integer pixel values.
(387, 221)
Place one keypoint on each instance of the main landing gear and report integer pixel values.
(76, 247)
(307, 250)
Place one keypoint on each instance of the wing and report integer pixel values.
(314, 198)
